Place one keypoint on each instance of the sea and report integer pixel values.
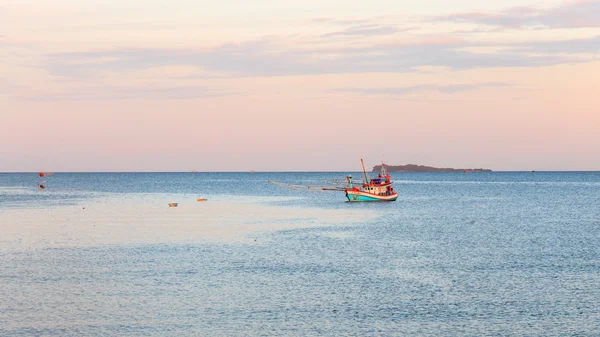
(458, 254)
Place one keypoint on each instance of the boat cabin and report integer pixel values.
(381, 189)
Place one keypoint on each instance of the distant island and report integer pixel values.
(422, 168)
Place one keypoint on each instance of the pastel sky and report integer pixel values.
(237, 85)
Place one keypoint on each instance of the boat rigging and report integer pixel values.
(376, 189)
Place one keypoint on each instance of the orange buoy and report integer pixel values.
(201, 200)
(174, 204)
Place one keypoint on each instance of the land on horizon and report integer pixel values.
(423, 168)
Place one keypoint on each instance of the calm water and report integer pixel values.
(457, 254)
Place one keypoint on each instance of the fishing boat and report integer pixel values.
(376, 189)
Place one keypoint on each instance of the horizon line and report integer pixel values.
(292, 171)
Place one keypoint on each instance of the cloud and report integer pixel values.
(400, 91)
(342, 22)
(115, 93)
(271, 57)
(479, 30)
(573, 14)
(365, 30)
(452, 89)
(575, 46)
(369, 30)
(362, 27)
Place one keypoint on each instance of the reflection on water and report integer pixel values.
(458, 254)
(147, 219)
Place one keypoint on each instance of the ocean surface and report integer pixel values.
(477, 254)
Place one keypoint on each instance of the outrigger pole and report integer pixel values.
(305, 187)
(364, 171)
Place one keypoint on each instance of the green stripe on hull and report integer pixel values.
(358, 197)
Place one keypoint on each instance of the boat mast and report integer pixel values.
(364, 171)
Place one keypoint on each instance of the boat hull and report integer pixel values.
(354, 196)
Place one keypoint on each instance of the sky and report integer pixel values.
(312, 85)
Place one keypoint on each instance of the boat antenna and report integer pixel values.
(384, 170)
(364, 171)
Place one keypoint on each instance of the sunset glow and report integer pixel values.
(291, 85)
